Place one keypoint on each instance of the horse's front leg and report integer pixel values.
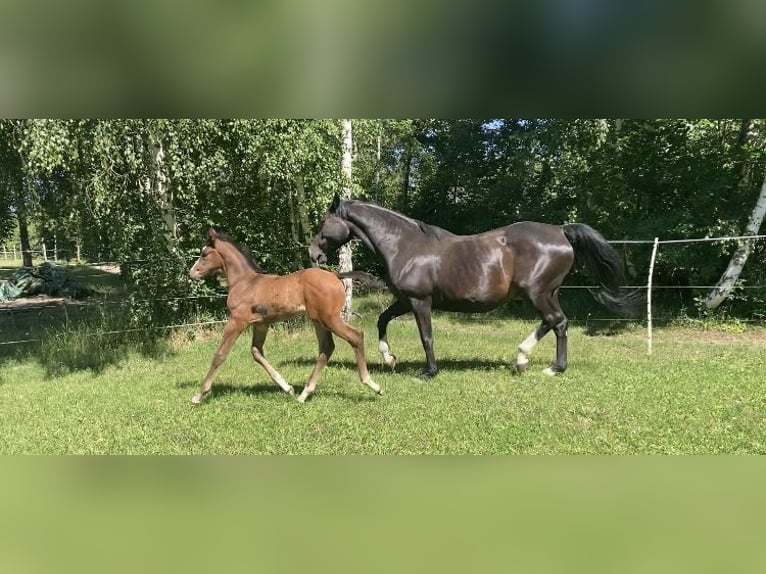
(395, 310)
(421, 308)
(231, 331)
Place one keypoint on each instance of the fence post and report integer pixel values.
(45, 253)
(649, 298)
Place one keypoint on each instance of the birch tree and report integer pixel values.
(344, 254)
(737, 263)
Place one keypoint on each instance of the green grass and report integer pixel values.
(700, 392)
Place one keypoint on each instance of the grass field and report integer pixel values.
(702, 391)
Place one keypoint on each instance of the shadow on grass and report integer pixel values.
(412, 367)
(223, 389)
(65, 336)
(607, 328)
(60, 351)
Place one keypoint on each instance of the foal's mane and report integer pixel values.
(427, 229)
(246, 253)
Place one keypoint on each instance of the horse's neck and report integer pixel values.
(368, 221)
(236, 265)
(380, 238)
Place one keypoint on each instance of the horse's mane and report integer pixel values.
(430, 230)
(433, 230)
(246, 253)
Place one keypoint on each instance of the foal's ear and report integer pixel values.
(335, 203)
(212, 234)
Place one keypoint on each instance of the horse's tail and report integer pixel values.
(603, 262)
(364, 278)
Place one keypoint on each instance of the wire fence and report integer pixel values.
(11, 254)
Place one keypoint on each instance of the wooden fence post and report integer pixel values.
(649, 297)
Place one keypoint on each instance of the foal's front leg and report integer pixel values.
(231, 331)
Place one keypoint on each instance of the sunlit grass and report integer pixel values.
(700, 392)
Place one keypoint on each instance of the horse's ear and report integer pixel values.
(335, 203)
(212, 234)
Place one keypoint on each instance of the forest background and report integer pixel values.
(140, 193)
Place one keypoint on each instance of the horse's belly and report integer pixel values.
(466, 305)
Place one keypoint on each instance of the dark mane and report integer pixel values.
(242, 249)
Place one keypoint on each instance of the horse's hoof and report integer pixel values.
(427, 375)
(521, 367)
(197, 399)
(290, 390)
(551, 372)
(302, 398)
(392, 363)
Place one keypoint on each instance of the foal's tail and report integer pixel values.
(364, 278)
(603, 263)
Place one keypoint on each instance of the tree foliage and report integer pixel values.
(142, 192)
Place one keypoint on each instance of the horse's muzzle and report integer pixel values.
(317, 256)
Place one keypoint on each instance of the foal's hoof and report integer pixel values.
(197, 399)
(290, 390)
(392, 362)
(521, 367)
(552, 371)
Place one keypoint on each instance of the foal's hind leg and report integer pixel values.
(231, 331)
(354, 338)
(326, 348)
(395, 310)
(259, 336)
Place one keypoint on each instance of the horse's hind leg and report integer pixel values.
(395, 310)
(526, 347)
(354, 338)
(553, 318)
(326, 348)
(231, 331)
(259, 337)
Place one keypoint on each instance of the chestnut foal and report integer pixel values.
(259, 300)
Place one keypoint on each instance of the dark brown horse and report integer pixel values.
(259, 300)
(428, 267)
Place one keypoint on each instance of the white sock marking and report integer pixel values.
(387, 356)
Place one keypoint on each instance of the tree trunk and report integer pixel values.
(729, 278)
(304, 233)
(157, 184)
(344, 254)
(26, 248)
(406, 179)
(747, 135)
(294, 235)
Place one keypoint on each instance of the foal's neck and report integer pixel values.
(236, 265)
